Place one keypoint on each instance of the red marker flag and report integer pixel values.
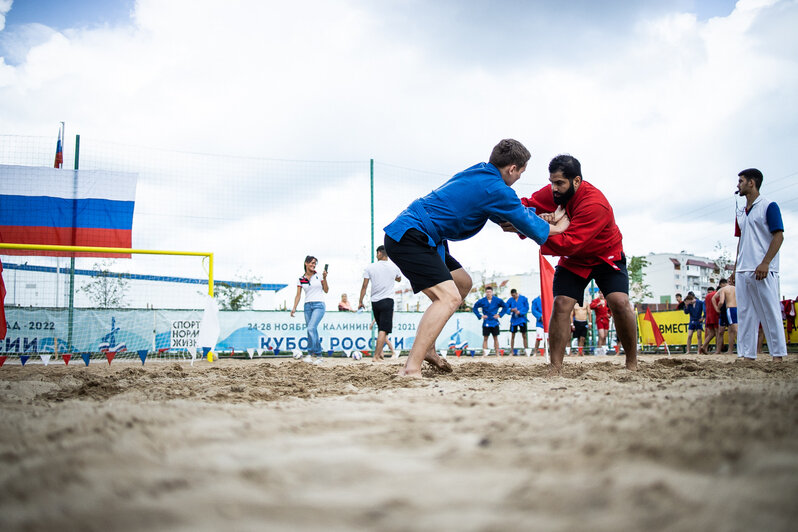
(3, 326)
(649, 317)
(546, 289)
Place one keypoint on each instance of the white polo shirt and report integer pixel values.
(314, 292)
(382, 275)
(756, 229)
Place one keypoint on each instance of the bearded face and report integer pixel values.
(562, 198)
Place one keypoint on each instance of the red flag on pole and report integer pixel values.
(3, 329)
(546, 289)
(649, 317)
(59, 148)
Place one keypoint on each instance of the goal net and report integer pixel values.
(128, 304)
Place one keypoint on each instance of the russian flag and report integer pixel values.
(59, 148)
(40, 205)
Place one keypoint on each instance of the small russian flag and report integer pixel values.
(59, 147)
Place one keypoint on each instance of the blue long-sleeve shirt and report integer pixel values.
(459, 209)
(490, 309)
(695, 310)
(522, 304)
(537, 311)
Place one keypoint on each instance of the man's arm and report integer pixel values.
(537, 309)
(363, 293)
(718, 299)
(775, 243)
(476, 308)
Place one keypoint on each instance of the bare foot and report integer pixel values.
(631, 363)
(778, 359)
(438, 363)
(554, 371)
(410, 374)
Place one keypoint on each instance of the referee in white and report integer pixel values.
(382, 275)
(756, 269)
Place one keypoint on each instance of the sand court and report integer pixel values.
(686, 443)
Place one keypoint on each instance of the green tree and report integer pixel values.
(724, 257)
(638, 289)
(238, 296)
(106, 289)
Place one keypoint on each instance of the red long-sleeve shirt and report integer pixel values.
(592, 238)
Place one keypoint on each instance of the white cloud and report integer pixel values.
(662, 113)
(5, 7)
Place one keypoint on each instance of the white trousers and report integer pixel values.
(758, 302)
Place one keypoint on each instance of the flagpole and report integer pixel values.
(59, 146)
(72, 258)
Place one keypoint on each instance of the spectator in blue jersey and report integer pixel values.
(517, 308)
(416, 241)
(492, 309)
(537, 311)
(695, 309)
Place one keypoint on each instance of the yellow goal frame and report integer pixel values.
(92, 249)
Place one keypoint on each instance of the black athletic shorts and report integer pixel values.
(383, 314)
(608, 279)
(490, 331)
(580, 329)
(521, 327)
(418, 261)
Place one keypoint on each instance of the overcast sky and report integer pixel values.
(664, 102)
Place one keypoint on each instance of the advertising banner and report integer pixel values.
(41, 330)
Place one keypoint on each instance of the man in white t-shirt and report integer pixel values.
(382, 275)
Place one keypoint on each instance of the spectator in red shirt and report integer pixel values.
(711, 322)
(591, 248)
(599, 306)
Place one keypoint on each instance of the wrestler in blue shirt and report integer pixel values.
(459, 209)
(490, 307)
(537, 311)
(696, 311)
(522, 304)
(416, 241)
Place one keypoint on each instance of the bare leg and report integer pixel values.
(445, 298)
(526, 341)
(732, 337)
(394, 354)
(719, 340)
(689, 341)
(602, 337)
(496, 344)
(381, 337)
(512, 343)
(559, 332)
(485, 345)
(625, 326)
(711, 331)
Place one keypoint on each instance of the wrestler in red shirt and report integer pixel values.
(590, 248)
